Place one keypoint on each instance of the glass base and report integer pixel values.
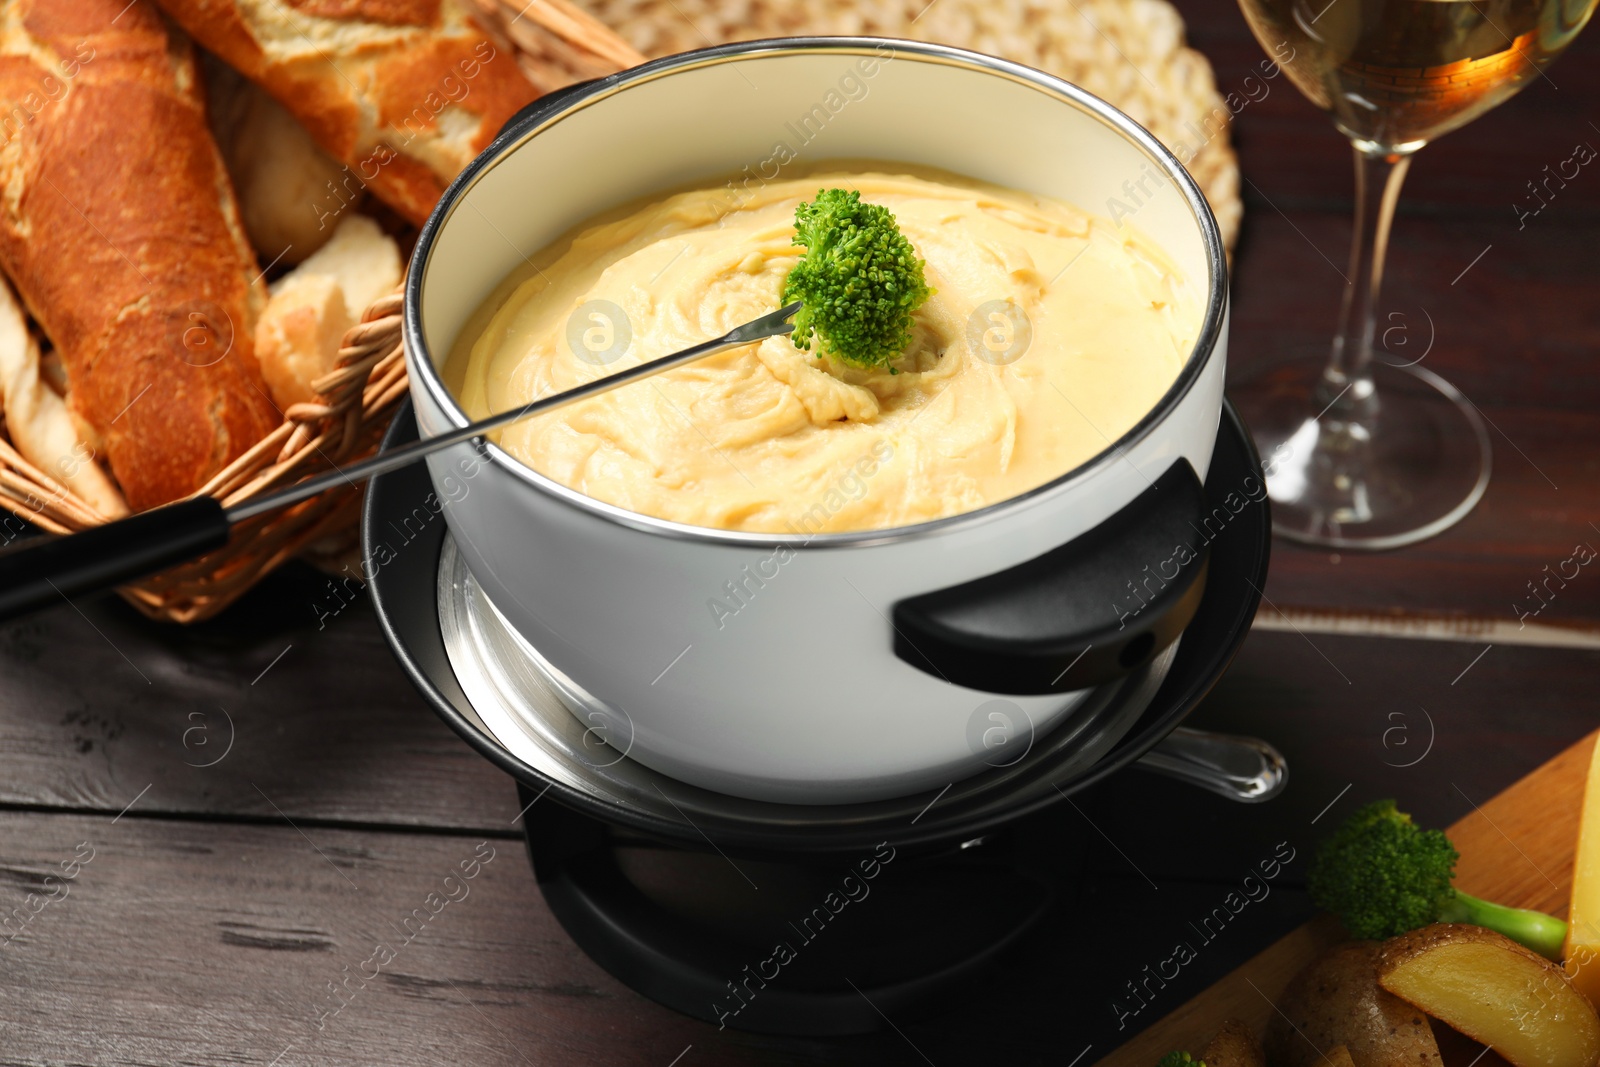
(1413, 465)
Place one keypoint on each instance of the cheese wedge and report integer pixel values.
(1582, 954)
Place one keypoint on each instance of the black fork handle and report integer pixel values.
(40, 571)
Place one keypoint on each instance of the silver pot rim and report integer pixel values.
(424, 369)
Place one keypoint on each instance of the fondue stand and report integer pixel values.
(801, 919)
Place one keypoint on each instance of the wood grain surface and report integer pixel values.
(261, 713)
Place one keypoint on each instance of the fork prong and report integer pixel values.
(771, 324)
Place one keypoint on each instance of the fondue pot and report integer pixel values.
(927, 693)
(846, 667)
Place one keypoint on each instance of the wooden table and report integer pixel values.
(264, 798)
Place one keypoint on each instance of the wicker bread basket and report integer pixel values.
(557, 43)
(353, 406)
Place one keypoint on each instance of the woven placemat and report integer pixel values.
(1130, 52)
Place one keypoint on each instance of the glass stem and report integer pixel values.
(1345, 391)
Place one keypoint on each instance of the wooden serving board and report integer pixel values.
(1517, 849)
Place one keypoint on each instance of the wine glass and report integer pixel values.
(1365, 452)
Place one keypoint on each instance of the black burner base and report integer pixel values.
(818, 949)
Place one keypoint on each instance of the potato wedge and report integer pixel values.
(1494, 991)
(1233, 1046)
(1336, 1000)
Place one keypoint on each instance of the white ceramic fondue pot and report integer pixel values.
(840, 667)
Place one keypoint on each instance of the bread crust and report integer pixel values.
(403, 92)
(119, 229)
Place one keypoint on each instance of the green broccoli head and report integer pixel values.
(859, 280)
(1180, 1059)
(1382, 874)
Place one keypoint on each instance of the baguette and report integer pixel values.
(279, 174)
(403, 92)
(122, 236)
(37, 421)
(315, 305)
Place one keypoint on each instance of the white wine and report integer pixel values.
(1395, 74)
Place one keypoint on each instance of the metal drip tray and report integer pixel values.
(545, 720)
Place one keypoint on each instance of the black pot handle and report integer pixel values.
(1086, 612)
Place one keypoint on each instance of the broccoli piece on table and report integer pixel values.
(1382, 875)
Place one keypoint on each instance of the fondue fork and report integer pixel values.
(40, 570)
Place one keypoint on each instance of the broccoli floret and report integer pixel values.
(1180, 1059)
(1382, 875)
(859, 280)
